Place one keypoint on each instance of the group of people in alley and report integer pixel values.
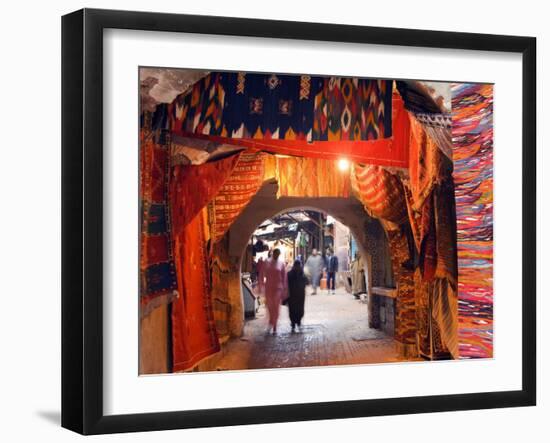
(289, 288)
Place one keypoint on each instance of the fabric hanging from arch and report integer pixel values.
(380, 191)
(192, 187)
(237, 191)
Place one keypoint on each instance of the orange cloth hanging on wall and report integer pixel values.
(194, 335)
(311, 177)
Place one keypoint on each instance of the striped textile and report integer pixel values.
(380, 191)
(236, 192)
(472, 114)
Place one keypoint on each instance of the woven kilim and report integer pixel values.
(352, 109)
(157, 272)
(284, 107)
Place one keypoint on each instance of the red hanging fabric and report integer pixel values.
(192, 187)
(194, 335)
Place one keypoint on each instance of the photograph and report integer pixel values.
(304, 220)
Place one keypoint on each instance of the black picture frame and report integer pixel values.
(82, 218)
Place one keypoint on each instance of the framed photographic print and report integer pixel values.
(271, 221)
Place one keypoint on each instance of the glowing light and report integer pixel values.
(343, 164)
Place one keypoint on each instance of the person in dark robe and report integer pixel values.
(297, 282)
(332, 269)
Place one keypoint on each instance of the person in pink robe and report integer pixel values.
(275, 287)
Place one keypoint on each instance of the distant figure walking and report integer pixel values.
(332, 269)
(297, 282)
(275, 287)
(314, 267)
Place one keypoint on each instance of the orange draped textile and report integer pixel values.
(236, 192)
(194, 335)
(311, 177)
(192, 187)
(380, 191)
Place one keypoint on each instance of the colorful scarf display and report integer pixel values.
(157, 271)
(472, 113)
(194, 335)
(243, 183)
(311, 177)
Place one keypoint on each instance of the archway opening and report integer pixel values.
(336, 327)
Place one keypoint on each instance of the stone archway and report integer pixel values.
(368, 232)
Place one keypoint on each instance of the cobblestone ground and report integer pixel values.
(334, 332)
